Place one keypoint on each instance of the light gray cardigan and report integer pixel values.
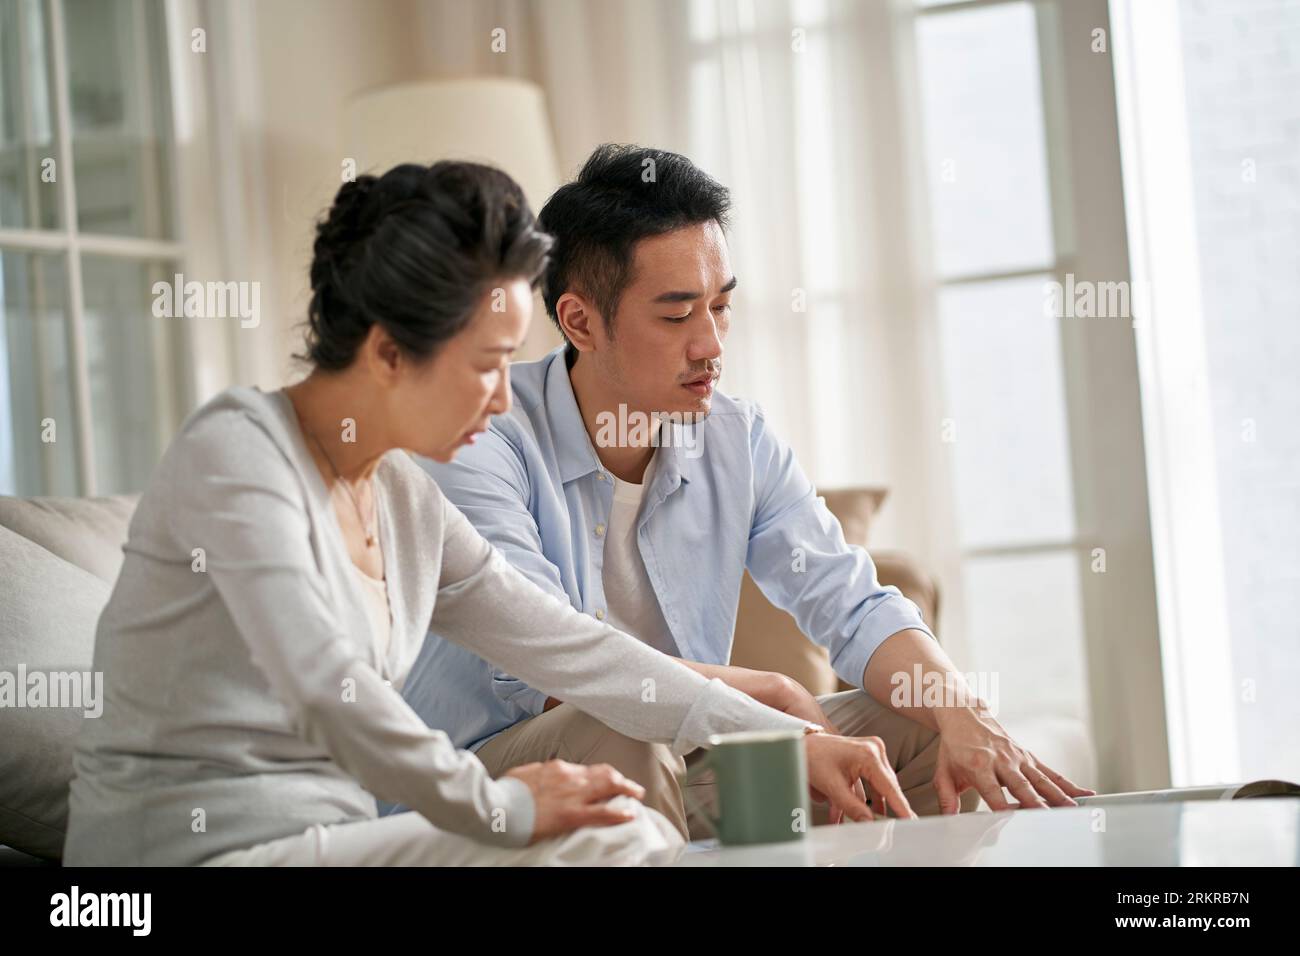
(244, 696)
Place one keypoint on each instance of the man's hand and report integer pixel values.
(974, 751)
(837, 767)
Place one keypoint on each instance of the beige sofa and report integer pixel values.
(768, 638)
(58, 560)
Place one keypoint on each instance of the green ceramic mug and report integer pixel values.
(762, 787)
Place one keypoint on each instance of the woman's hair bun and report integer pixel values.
(413, 251)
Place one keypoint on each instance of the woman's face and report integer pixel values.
(439, 406)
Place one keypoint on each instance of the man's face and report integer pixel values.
(666, 350)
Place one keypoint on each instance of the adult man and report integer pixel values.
(624, 484)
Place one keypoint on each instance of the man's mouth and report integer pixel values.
(701, 385)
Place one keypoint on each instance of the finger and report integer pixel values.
(1062, 781)
(881, 777)
(602, 815)
(991, 791)
(860, 790)
(605, 782)
(837, 815)
(1043, 784)
(871, 797)
(1015, 781)
(834, 815)
(844, 799)
(946, 788)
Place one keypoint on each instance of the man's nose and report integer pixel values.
(707, 345)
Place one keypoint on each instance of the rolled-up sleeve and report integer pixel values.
(798, 557)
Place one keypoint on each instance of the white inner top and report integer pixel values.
(376, 592)
(632, 604)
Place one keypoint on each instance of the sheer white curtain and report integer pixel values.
(793, 106)
(1212, 177)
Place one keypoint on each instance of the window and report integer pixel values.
(1211, 131)
(871, 148)
(89, 392)
(1007, 422)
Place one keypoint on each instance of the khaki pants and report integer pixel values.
(566, 733)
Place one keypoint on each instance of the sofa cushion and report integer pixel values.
(854, 508)
(87, 532)
(49, 609)
(768, 638)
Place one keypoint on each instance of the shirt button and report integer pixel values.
(600, 476)
(600, 530)
(600, 614)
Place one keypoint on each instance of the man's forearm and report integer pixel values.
(891, 675)
(764, 686)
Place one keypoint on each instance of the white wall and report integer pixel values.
(310, 56)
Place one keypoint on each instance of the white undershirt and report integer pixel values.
(632, 604)
(376, 592)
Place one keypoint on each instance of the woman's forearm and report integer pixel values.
(489, 607)
(764, 686)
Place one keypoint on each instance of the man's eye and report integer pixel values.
(678, 318)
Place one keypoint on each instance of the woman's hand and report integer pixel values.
(569, 796)
(837, 767)
(788, 695)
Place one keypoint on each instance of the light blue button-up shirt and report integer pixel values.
(726, 494)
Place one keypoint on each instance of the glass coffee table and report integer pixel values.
(1254, 832)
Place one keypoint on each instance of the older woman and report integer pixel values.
(288, 558)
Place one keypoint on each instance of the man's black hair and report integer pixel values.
(622, 195)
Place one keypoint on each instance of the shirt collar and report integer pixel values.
(573, 449)
(574, 452)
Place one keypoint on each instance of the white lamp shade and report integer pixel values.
(492, 120)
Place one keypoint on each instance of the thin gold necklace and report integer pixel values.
(366, 526)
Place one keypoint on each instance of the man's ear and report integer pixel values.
(577, 317)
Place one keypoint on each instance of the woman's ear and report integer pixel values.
(382, 353)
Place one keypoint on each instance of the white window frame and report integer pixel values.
(214, 173)
(69, 242)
